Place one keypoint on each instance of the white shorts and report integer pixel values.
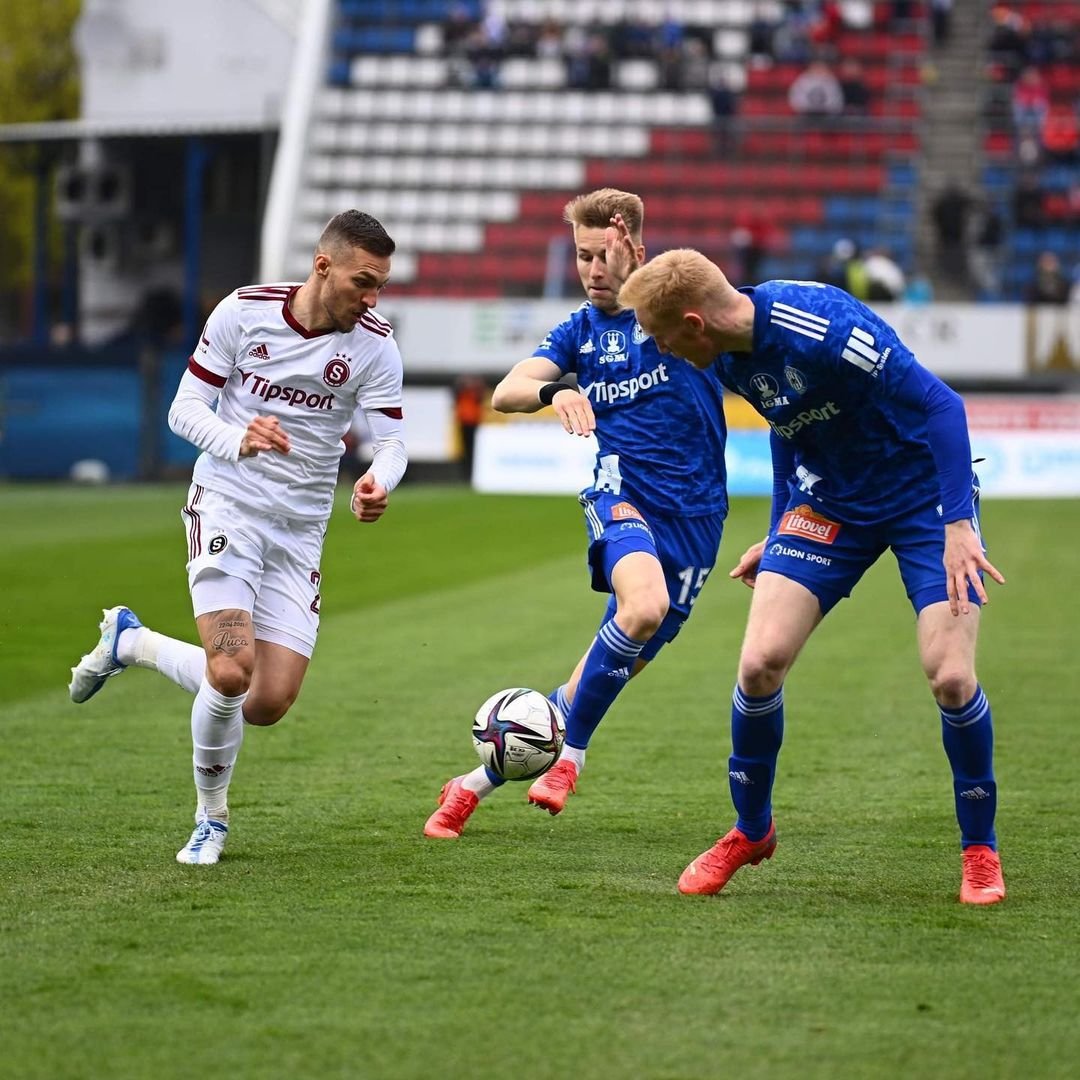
(276, 557)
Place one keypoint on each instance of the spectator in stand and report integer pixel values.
(1060, 135)
(694, 66)
(457, 28)
(816, 92)
(791, 38)
(941, 20)
(549, 41)
(1009, 41)
(902, 11)
(951, 210)
(470, 396)
(919, 289)
(725, 104)
(884, 278)
(831, 269)
(854, 87)
(1028, 201)
(588, 60)
(634, 38)
(1030, 102)
(984, 258)
(759, 37)
(827, 26)
(1049, 285)
(843, 268)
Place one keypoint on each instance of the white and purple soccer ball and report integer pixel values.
(518, 733)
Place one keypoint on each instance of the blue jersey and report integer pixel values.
(659, 421)
(825, 372)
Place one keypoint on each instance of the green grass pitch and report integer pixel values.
(335, 941)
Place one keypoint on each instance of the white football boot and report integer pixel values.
(89, 674)
(207, 842)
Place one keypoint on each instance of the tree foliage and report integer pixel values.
(39, 81)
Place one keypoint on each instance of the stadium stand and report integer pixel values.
(1032, 141)
(467, 131)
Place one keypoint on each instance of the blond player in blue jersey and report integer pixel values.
(870, 453)
(654, 513)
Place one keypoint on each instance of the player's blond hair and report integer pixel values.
(673, 283)
(595, 209)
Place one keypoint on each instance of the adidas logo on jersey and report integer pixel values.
(260, 352)
(588, 347)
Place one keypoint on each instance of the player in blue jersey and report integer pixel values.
(655, 511)
(870, 452)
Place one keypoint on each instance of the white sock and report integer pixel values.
(217, 730)
(478, 783)
(572, 753)
(180, 661)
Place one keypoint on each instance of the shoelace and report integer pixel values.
(981, 871)
(718, 854)
(456, 806)
(564, 778)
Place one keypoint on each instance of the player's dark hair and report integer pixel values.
(354, 228)
(595, 210)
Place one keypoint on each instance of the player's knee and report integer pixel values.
(265, 712)
(762, 670)
(641, 616)
(229, 675)
(953, 687)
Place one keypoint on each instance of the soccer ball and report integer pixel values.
(518, 733)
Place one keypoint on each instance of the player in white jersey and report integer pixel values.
(288, 366)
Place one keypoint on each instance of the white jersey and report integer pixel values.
(266, 364)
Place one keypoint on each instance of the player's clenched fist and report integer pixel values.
(369, 499)
(264, 433)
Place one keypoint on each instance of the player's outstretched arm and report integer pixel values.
(747, 567)
(964, 558)
(522, 391)
(519, 390)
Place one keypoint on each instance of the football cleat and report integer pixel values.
(552, 790)
(89, 674)
(712, 869)
(206, 844)
(455, 806)
(981, 881)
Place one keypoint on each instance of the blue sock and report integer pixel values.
(495, 779)
(607, 670)
(558, 698)
(757, 731)
(967, 734)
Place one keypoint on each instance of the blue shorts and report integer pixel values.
(686, 548)
(829, 556)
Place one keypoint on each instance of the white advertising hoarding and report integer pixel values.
(1024, 447)
(955, 341)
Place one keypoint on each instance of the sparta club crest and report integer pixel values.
(337, 372)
